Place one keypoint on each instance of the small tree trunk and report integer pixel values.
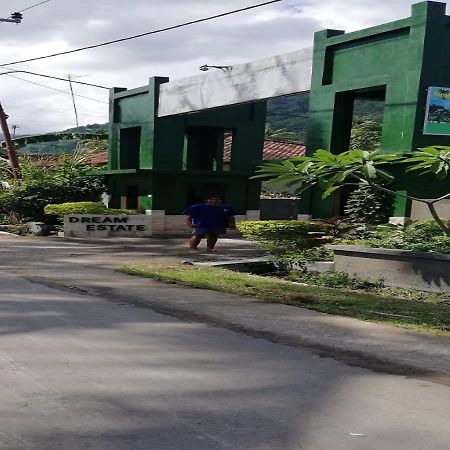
(437, 219)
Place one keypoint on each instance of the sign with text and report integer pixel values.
(437, 118)
(91, 225)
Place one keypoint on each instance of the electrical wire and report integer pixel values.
(33, 6)
(57, 90)
(54, 78)
(161, 30)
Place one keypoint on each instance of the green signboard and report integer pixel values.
(437, 118)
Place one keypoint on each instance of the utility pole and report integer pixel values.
(14, 128)
(11, 152)
(69, 77)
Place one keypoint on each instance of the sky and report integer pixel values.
(60, 25)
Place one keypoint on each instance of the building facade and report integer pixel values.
(396, 63)
(161, 165)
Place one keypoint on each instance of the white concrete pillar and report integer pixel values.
(398, 220)
(158, 220)
(253, 214)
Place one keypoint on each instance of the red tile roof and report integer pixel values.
(273, 150)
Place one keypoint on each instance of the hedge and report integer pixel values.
(63, 209)
(275, 230)
(287, 239)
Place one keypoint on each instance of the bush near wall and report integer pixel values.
(420, 236)
(68, 181)
(289, 239)
(64, 209)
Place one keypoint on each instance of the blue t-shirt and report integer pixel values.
(208, 216)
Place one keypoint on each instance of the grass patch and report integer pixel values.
(409, 313)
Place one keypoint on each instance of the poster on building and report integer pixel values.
(437, 118)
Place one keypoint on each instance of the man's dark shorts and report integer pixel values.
(202, 231)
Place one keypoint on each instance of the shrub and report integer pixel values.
(368, 206)
(70, 180)
(288, 239)
(334, 280)
(279, 229)
(423, 236)
(276, 230)
(63, 209)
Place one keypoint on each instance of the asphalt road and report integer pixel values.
(82, 372)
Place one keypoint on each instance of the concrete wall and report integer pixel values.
(259, 80)
(417, 270)
(173, 224)
(419, 211)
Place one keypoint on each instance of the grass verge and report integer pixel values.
(422, 315)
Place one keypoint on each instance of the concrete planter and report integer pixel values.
(400, 268)
(40, 228)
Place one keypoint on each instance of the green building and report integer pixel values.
(161, 165)
(395, 63)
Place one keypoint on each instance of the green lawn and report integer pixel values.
(430, 315)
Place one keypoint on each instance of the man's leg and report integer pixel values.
(194, 242)
(211, 241)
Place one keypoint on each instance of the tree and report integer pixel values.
(282, 134)
(69, 179)
(330, 172)
(366, 134)
(444, 93)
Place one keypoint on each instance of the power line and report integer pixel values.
(57, 90)
(161, 30)
(33, 6)
(53, 78)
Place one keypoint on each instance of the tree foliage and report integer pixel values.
(330, 172)
(369, 206)
(366, 134)
(68, 181)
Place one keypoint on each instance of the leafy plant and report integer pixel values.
(284, 236)
(333, 280)
(330, 172)
(369, 206)
(366, 134)
(282, 134)
(83, 208)
(70, 180)
(337, 226)
(424, 236)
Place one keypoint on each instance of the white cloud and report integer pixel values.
(65, 24)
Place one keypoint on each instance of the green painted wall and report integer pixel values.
(396, 62)
(177, 154)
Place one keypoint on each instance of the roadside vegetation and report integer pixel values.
(46, 182)
(397, 307)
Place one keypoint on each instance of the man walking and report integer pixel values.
(209, 219)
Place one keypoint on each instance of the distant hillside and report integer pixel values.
(292, 112)
(64, 146)
(93, 128)
(288, 113)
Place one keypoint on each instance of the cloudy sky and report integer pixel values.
(66, 24)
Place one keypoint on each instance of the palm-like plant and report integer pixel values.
(444, 93)
(330, 172)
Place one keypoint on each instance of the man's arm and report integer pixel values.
(232, 222)
(188, 221)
